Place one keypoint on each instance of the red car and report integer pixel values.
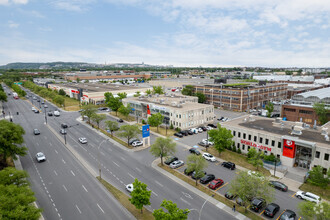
(215, 183)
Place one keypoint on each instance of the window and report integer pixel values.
(279, 144)
(317, 154)
(243, 147)
(267, 141)
(278, 156)
(234, 133)
(238, 145)
(326, 157)
(273, 143)
(244, 135)
(249, 148)
(289, 110)
(239, 134)
(265, 152)
(260, 140)
(249, 137)
(305, 112)
(255, 138)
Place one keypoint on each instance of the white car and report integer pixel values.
(207, 142)
(40, 157)
(82, 140)
(209, 157)
(129, 187)
(209, 128)
(199, 130)
(176, 164)
(56, 113)
(194, 130)
(137, 143)
(33, 109)
(308, 196)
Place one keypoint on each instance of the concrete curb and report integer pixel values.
(215, 202)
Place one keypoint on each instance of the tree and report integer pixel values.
(125, 110)
(198, 164)
(221, 137)
(255, 158)
(321, 112)
(163, 147)
(158, 90)
(155, 120)
(129, 132)
(10, 175)
(173, 212)
(78, 80)
(112, 102)
(112, 126)
(59, 100)
(88, 110)
(3, 96)
(270, 109)
(61, 92)
(11, 135)
(140, 196)
(247, 187)
(122, 95)
(317, 178)
(312, 211)
(137, 94)
(188, 90)
(148, 92)
(98, 118)
(201, 97)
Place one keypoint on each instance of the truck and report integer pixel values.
(15, 95)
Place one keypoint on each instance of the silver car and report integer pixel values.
(176, 164)
(82, 140)
(40, 157)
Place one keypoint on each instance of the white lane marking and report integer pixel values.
(185, 201)
(159, 183)
(154, 193)
(73, 173)
(78, 209)
(65, 188)
(131, 176)
(55, 173)
(37, 143)
(56, 151)
(99, 207)
(187, 195)
(50, 144)
(137, 169)
(102, 153)
(115, 164)
(84, 188)
(122, 158)
(63, 161)
(45, 137)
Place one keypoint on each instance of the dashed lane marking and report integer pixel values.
(56, 151)
(65, 188)
(73, 173)
(131, 176)
(137, 169)
(115, 164)
(185, 201)
(84, 188)
(55, 173)
(63, 161)
(78, 209)
(100, 207)
(159, 183)
(293, 195)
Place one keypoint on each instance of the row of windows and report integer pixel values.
(318, 154)
(255, 138)
(190, 123)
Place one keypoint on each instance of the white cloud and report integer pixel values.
(72, 5)
(12, 24)
(18, 2)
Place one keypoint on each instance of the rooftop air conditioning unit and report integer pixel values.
(326, 137)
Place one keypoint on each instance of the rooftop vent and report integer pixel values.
(297, 130)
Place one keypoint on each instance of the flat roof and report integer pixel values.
(319, 93)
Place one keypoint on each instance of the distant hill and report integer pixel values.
(51, 65)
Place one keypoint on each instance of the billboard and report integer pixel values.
(145, 131)
(289, 148)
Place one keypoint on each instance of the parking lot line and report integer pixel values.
(299, 218)
(262, 212)
(280, 214)
(221, 186)
(293, 195)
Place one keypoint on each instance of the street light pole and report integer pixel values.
(99, 157)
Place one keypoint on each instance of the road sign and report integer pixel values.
(145, 131)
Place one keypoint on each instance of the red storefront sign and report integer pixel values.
(75, 91)
(148, 110)
(250, 143)
(289, 148)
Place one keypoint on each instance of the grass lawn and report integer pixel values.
(123, 199)
(162, 131)
(323, 192)
(238, 159)
(210, 192)
(119, 115)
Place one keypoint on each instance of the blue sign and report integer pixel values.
(145, 131)
(133, 109)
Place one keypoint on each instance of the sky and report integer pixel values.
(208, 33)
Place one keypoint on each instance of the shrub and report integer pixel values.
(178, 129)
(143, 122)
(239, 151)
(171, 127)
(234, 148)
(270, 158)
(229, 148)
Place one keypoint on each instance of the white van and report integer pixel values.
(56, 113)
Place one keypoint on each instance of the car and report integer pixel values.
(50, 113)
(36, 131)
(212, 125)
(240, 202)
(203, 128)
(178, 134)
(209, 128)
(287, 215)
(170, 159)
(185, 133)
(35, 98)
(120, 120)
(225, 119)
(137, 143)
(209, 157)
(208, 142)
(194, 151)
(133, 140)
(200, 130)
(207, 178)
(190, 132)
(129, 187)
(103, 108)
(257, 204)
(33, 109)
(63, 131)
(176, 164)
(229, 165)
(64, 125)
(45, 106)
(308, 196)
(56, 113)
(42, 102)
(215, 184)
(38, 100)
(36, 111)
(271, 209)
(203, 144)
(40, 157)
(279, 185)
(193, 175)
(194, 130)
(82, 140)
(188, 173)
(229, 195)
(220, 119)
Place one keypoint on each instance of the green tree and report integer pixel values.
(158, 90)
(221, 137)
(140, 196)
(11, 135)
(97, 118)
(321, 112)
(312, 211)
(129, 132)
(114, 103)
(317, 178)
(198, 164)
(61, 92)
(163, 147)
(3, 96)
(173, 212)
(59, 100)
(78, 80)
(148, 92)
(247, 186)
(112, 126)
(137, 94)
(255, 158)
(125, 110)
(88, 110)
(201, 97)
(188, 90)
(270, 109)
(122, 95)
(155, 120)
(10, 175)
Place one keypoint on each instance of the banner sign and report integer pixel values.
(250, 143)
(145, 131)
(289, 148)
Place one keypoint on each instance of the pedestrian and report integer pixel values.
(234, 208)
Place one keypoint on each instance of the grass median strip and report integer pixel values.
(123, 199)
(210, 192)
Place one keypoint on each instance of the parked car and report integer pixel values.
(279, 185)
(45, 106)
(203, 128)
(40, 157)
(229, 165)
(82, 140)
(133, 140)
(36, 111)
(212, 125)
(120, 120)
(194, 130)
(209, 128)
(170, 159)
(229, 195)
(215, 184)
(193, 175)
(271, 210)
(194, 151)
(176, 164)
(225, 119)
(200, 130)
(103, 108)
(42, 102)
(208, 141)
(209, 157)
(188, 173)
(178, 134)
(308, 196)
(203, 144)
(137, 143)
(190, 132)
(185, 133)
(220, 119)
(56, 113)
(64, 125)
(240, 202)
(63, 131)
(288, 215)
(36, 131)
(129, 187)
(257, 204)
(207, 178)
(50, 113)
